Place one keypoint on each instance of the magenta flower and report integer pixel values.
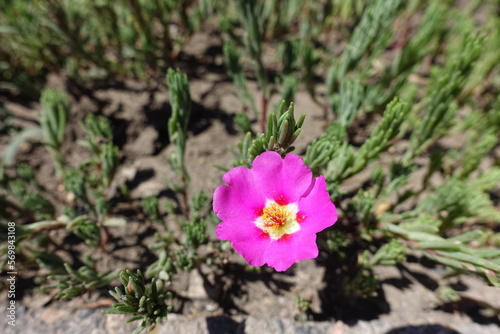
(272, 212)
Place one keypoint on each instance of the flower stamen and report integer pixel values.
(278, 220)
(275, 215)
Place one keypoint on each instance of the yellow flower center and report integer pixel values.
(278, 220)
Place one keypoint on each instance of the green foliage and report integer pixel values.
(16, 140)
(30, 200)
(389, 254)
(199, 204)
(93, 39)
(109, 162)
(54, 116)
(282, 131)
(164, 268)
(91, 178)
(151, 207)
(86, 230)
(447, 83)
(194, 233)
(325, 148)
(310, 60)
(235, 72)
(74, 182)
(363, 205)
(481, 145)
(53, 119)
(346, 163)
(460, 201)
(244, 123)
(180, 101)
(489, 58)
(142, 301)
(303, 308)
(364, 284)
(182, 254)
(387, 129)
(77, 282)
(288, 54)
(290, 86)
(423, 43)
(98, 131)
(253, 16)
(446, 294)
(348, 10)
(371, 32)
(336, 242)
(346, 104)
(455, 253)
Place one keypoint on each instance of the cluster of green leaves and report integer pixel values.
(297, 57)
(183, 254)
(86, 183)
(85, 188)
(454, 223)
(282, 131)
(28, 197)
(180, 101)
(143, 302)
(89, 181)
(77, 282)
(93, 39)
(54, 117)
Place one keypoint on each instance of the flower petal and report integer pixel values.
(282, 180)
(282, 254)
(316, 210)
(238, 204)
(253, 250)
(236, 232)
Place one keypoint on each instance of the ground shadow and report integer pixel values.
(141, 176)
(223, 324)
(425, 280)
(401, 283)
(336, 300)
(423, 329)
(201, 118)
(476, 310)
(157, 117)
(230, 282)
(129, 250)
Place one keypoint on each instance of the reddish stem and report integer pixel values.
(104, 239)
(263, 121)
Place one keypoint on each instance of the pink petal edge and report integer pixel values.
(282, 180)
(317, 208)
(280, 255)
